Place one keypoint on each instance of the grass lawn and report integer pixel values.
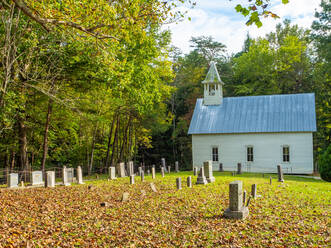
(293, 214)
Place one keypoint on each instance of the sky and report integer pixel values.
(219, 19)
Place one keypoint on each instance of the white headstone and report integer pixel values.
(65, 177)
(112, 172)
(176, 166)
(208, 169)
(50, 179)
(13, 180)
(37, 178)
(79, 175)
(130, 167)
(121, 170)
(153, 172)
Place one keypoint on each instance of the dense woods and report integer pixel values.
(97, 84)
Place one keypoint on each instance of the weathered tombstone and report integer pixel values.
(142, 175)
(162, 171)
(37, 178)
(208, 169)
(236, 209)
(179, 183)
(70, 175)
(50, 179)
(280, 173)
(201, 177)
(239, 168)
(121, 170)
(221, 168)
(153, 172)
(125, 196)
(12, 180)
(130, 168)
(22, 184)
(189, 181)
(176, 166)
(65, 176)
(163, 163)
(112, 173)
(195, 171)
(132, 179)
(79, 175)
(254, 190)
(270, 180)
(148, 172)
(244, 197)
(169, 169)
(139, 170)
(153, 187)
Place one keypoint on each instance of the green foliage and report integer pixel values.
(324, 164)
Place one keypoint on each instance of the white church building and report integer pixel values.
(259, 132)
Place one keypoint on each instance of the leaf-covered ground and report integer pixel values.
(293, 214)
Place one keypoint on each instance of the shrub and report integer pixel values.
(324, 164)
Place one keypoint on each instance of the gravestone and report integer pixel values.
(221, 168)
(162, 171)
(236, 209)
(153, 172)
(179, 183)
(280, 173)
(239, 168)
(270, 180)
(125, 196)
(254, 190)
(148, 172)
(142, 176)
(22, 184)
(153, 187)
(65, 181)
(130, 168)
(121, 169)
(12, 180)
(50, 179)
(139, 170)
(189, 181)
(112, 172)
(169, 169)
(176, 166)
(208, 169)
(195, 171)
(201, 177)
(132, 179)
(70, 175)
(79, 175)
(244, 197)
(37, 178)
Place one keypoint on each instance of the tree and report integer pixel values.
(324, 164)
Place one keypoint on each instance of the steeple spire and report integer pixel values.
(213, 94)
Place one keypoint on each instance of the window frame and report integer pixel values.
(216, 155)
(250, 156)
(286, 158)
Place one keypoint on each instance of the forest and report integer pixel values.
(94, 84)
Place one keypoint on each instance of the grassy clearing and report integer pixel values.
(293, 214)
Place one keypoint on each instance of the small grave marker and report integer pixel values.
(125, 197)
(22, 184)
(153, 187)
(254, 190)
(50, 179)
(121, 169)
(270, 180)
(176, 166)
(112, 173)
(220, 168)
(195, 171)
(130, 168)
(280, 173)
(13, 180)
(132, 179)
(236, 209)
(239, 168)
(189, 181)
(201, 177)
(65, 181)
(153, 172)
(169, 167)
(179, 183)
(142, 176)
(208, 169)
(244, 197)
(79, 175)
(148, 172)
(37, 178)
(162, 171)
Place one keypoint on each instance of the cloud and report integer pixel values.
(219, 19)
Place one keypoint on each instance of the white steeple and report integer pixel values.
(213, 92)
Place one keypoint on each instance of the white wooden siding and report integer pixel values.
(232, 149)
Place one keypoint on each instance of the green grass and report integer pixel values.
(293, 214)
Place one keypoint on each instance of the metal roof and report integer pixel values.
(256, 114)
(212, 75)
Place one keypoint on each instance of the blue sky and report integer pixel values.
(219, 19)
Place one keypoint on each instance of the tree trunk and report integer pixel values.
(109, 140)
(23, 148)
(124, 138)
(114, 142)
(92, 149)
(12, 164)
(45, 144)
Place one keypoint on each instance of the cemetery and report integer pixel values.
(177, 123)
(212, 209)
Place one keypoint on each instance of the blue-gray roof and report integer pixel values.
(255, 114)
